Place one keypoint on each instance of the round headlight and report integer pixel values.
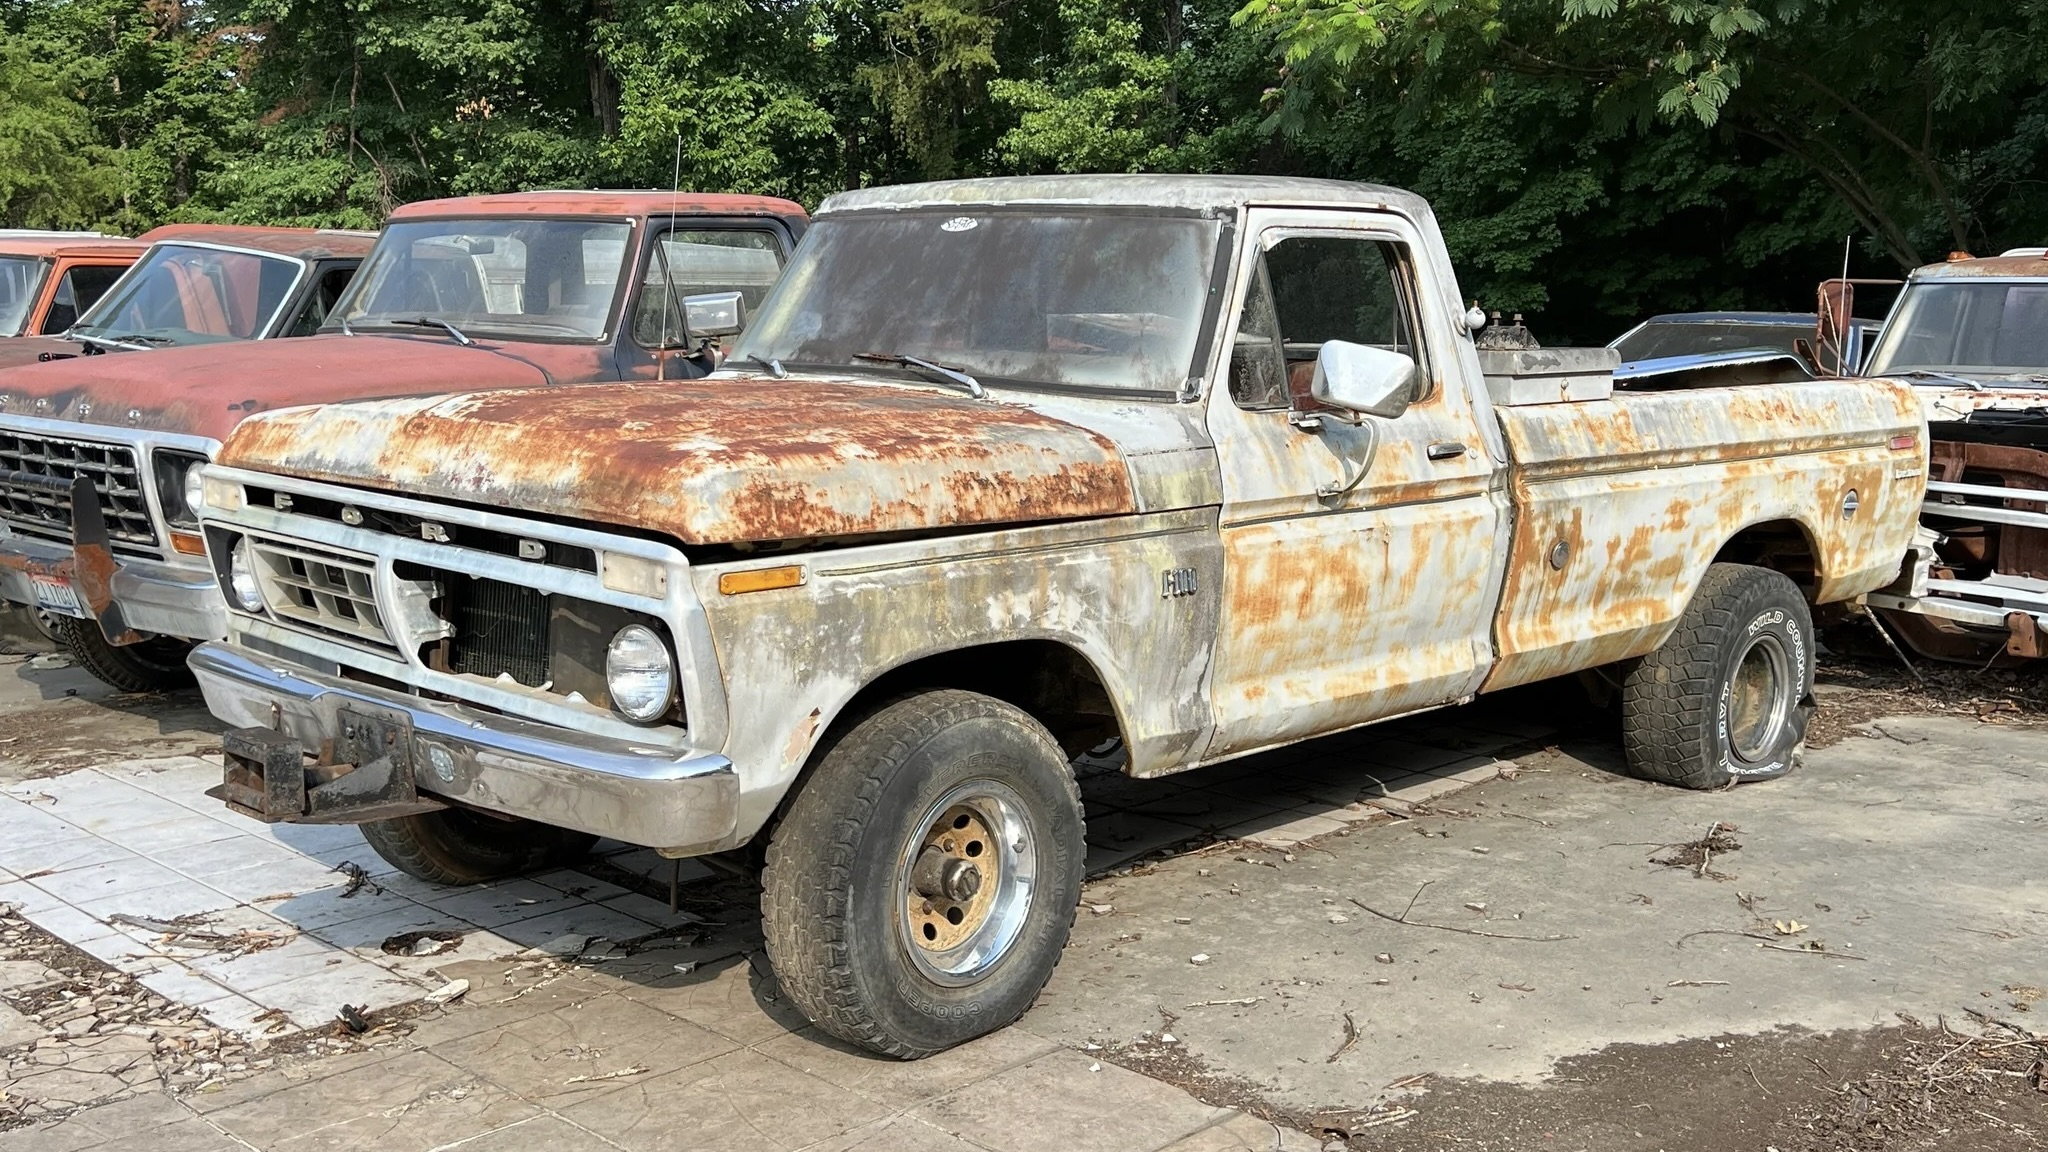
(242, 587)
(195, 489)
(640, 673)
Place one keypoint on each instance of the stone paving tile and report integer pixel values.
(896, 1134)
(738, 1102)
(902, 1083)
(567, 1055)
(546, 1133)
(1064, 1100)
(1242, 1133)
(269, 1120)
(443, 1116)
(1286, 829)
(1124, 836)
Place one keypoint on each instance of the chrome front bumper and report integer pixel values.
(639, 794)
(150, 596)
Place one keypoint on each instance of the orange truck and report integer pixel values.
(49, 279)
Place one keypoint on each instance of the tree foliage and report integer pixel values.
(1591, 160)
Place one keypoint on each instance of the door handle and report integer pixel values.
(1446, 450)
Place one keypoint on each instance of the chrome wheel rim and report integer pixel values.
(1758, 702)
(966, 876)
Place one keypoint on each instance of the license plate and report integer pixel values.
(57, 596)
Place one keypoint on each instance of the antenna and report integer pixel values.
(668, 278)
(1848, 321)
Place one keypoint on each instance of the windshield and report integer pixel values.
(188, 295)
(522, 278)
(20, 277)
(1969, 328)
(1095, 301)
(1659, 338)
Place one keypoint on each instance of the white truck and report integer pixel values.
(1002, 468)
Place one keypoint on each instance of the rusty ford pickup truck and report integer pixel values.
(99, 454)
(1000, 470)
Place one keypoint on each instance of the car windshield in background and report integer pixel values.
(1090, 301)
(191, 295)
(521, 278)
(1656, 339)
(1989, 329)
(20, 277)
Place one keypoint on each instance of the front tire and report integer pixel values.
(1727, 697)
(921, 888)
(456, 847)
(154, 665)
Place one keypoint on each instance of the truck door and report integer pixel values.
(1361, 554)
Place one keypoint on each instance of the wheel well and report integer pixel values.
(1050, 680)
(1054, 683)
(1781, 545)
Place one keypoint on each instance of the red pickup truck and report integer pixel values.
(99, 455)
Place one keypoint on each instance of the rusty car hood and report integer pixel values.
(732, 458)
(205, 390)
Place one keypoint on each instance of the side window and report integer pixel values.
(80, 288)
(327, 288)
(1258, 372)
(689, 262)
(1322, 288)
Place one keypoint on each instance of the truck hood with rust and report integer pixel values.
(731, 458)
(205, 390)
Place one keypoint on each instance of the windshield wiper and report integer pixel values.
(932, 371)
(430, 322)
(1926, 374)
(773, 365)
(133, 341)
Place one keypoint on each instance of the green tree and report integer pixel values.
(52, 170)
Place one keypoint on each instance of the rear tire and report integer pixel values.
(922, 886)
(457, 847)
(154, 665)
(1727, 697)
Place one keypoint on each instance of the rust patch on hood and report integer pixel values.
(711, 461)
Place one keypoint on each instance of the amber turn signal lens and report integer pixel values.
(760, 579)
(189, 544)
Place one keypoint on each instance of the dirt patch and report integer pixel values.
(1855, 692)
(1697, 856)
(1927, 1088)
(62, 735)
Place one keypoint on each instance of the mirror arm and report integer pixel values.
(1334, 491)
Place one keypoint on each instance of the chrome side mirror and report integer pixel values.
(1361, 378)
(711, 315)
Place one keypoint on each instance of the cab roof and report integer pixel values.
(1209, 194)
(302, 243)
(57, 244)
(2019, 264)
(601, 202)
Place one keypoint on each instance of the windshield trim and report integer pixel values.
(35, 289)
(264, 331)
(636, 233)
(1193, 379)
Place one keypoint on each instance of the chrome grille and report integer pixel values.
(36, 473)
(322, 591)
